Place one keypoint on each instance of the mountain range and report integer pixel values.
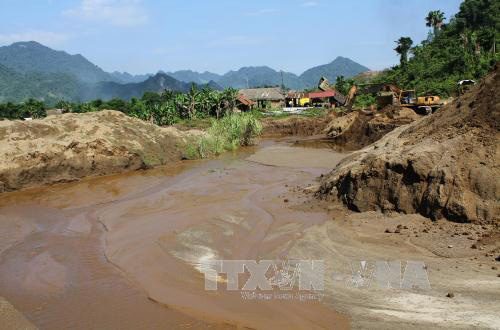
(29, 69)
(249, 77)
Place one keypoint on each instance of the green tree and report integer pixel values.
(34, 108)
(435, 19)
(343, 85)
(403, 47)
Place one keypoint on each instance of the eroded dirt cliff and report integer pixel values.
(444, 165)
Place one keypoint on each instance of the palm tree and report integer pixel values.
(403, 47)
(435, 20)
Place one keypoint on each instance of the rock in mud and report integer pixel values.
(71, 146)
(442, 166)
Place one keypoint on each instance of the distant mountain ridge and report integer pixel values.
(341, 66)
(195, 77)
(26, 57)
(157, 83)
(29, 69)
(126, 78)
(258, 76)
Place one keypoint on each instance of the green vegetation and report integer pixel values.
(162, 109)
(226, 134)
(29, 109)
(403, 47)
(464, 48)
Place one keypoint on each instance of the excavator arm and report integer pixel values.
(351, 97)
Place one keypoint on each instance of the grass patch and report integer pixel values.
(195, 123)
(226, 134)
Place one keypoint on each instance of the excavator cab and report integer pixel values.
(408, 97)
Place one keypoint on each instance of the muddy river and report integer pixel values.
(127, 251)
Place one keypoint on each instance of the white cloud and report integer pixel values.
(44, 37)
(310, 4)
(261, 12)
(124, 13)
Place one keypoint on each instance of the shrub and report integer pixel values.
(226, 134)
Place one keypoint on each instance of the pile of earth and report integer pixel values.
(358, 129)
(295, 125)
(443, 165)
(71, 146)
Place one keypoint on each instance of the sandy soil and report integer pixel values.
(127, 249)
(12, 318)
(444, 165)
(72, 146)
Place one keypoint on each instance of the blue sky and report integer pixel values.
(142, 36)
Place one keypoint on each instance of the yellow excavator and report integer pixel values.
(424, 105)
(390, 94)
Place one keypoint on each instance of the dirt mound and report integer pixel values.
(72, 146)
(358, 129)
(294, 125)
(443, 165)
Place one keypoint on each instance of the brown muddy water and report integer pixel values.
(124, 251)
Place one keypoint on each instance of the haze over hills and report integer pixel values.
(159, 82)
(29, 69)
(126, 78)
(248, 77)
(196, 77)
(341, 66)
(26, 57)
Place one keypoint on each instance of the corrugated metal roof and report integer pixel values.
(321, 95)
(244, 100)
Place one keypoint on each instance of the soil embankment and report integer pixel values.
(348, 131)
(444, 165)
(295, 125)
(71, 146)
(358, 129)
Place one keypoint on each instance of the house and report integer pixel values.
(297, 99)
(329, 98)
(265, 97)
(243, 104)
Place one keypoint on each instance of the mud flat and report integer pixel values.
(128, 250)
(120, 250)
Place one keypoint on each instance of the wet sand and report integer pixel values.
(124, 251)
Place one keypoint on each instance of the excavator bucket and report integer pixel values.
(324, 85)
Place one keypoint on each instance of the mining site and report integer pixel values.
(152, 202)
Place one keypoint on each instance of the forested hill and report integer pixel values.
(466, 47)
(258, 76)
(341, 66)
(32, 70)
(27, 57)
